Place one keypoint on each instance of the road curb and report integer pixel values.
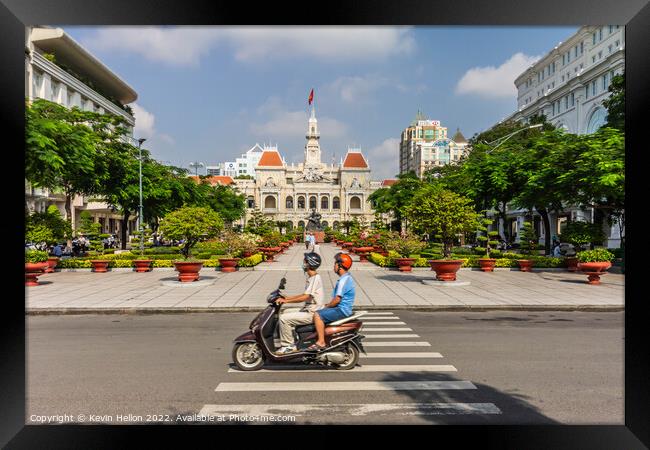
(441, 308)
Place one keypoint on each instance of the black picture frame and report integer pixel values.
(634, 14)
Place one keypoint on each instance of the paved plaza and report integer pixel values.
(122, 290)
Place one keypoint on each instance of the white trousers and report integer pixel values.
(289, 319)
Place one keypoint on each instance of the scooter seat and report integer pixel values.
(306, 328)
(348, 319)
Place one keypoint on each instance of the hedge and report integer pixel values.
(165, 261)
(472, 261)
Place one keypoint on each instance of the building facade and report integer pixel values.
(424, 145)
(58, 69)
(568, 86)
(289, 193)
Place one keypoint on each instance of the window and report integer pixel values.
(553, 108)
(250, 202)
(563, 78)
(611, 29)
(575, 51)
(324, 203)
(312, 202)
(593, 39)
(336, 203)
(600, 54)
(617, 43)
(587, 91)
(563, 60)
(572, 99)
(301, 202)
(593, 87)
(289, 202)
(593, 59)
(582, 48)
(600, 34)
(355, 203)
(37, 80)
(566, 102)
(605, 82)
(553, 84)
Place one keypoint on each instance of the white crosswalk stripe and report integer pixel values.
(320, 410)
(366, 368)
(345, 386)
(380, 325)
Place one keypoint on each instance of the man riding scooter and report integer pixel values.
(342, 300)
(313, 298)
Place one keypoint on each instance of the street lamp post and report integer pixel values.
(140, 216)
(505, 138)
(196, 165)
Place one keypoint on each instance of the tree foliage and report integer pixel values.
(191, 224)
(615, 103)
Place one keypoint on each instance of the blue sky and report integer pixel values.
(210, 93)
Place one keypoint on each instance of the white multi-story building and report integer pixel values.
(570, 82)
(568, 86)
(424, 145)
(58, 69)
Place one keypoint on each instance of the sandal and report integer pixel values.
(315, 348)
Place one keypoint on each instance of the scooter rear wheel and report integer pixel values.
(351, 358)
(248, 356)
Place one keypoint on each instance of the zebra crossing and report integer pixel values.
(419, 379)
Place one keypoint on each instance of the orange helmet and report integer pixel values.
(344, 260)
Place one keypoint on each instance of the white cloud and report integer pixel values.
(144, 122)
(184, 46)
(361, 89)
(384, 159)
(495, 82)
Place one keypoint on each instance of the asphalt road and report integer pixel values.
(478, 368)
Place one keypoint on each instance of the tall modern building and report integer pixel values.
(424, 145)
(568, 86)
(570, 82)
(60, 70)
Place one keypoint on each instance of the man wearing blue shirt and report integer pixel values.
(342, 300)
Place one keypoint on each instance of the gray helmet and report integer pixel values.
(313, 260)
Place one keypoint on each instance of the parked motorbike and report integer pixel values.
(256, 347)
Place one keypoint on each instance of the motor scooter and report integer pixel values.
(256, 347)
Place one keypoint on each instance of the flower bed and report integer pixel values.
(472, 261)
(158, 261)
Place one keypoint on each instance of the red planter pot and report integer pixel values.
(487, 264)
(525, 265)
(247, 254)
(445, 268)
(405, 264)
(188, 271)
(228, 264)
(572, 264)
(52, 261)
(594, 270)
(363, 253)
(348, 245)
(100, 265)
(142, 265)
(32, 272)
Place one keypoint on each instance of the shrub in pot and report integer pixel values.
(143, 264)
(408, 246)
(488, 239)
(528, 244)
(35, 265)
(594, 263)
(234, 245)
(444, 214)
(190, 224)
(580, 234)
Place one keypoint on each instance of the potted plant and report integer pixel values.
(527, 245)
(48, 228)
(580, 234)
(143, 264)
(190, 225)
(408, 246)
(233, 244)
(487, 238)
(35, 265)
(444, 214)
(270, 245)
(248, 244)
(594, 263)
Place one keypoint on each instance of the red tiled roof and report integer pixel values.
(270, 158)
(355, 160)
(221, 180)
(389, 182)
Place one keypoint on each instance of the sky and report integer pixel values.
(209, 94)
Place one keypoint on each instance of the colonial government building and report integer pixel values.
(339, 192)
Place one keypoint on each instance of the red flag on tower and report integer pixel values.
(311, 96)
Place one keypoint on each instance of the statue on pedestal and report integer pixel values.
(313, 223)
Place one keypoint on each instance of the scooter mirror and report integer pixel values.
(282, 283)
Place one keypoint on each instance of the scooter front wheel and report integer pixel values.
(248, 356)
(351, 358)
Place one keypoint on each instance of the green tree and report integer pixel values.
(395, 199)
(528, 240)
(60, 150)
(58, 227)
(191, 224)
(444, 213)
(615, 103)
(579, 234)
(225, 200)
